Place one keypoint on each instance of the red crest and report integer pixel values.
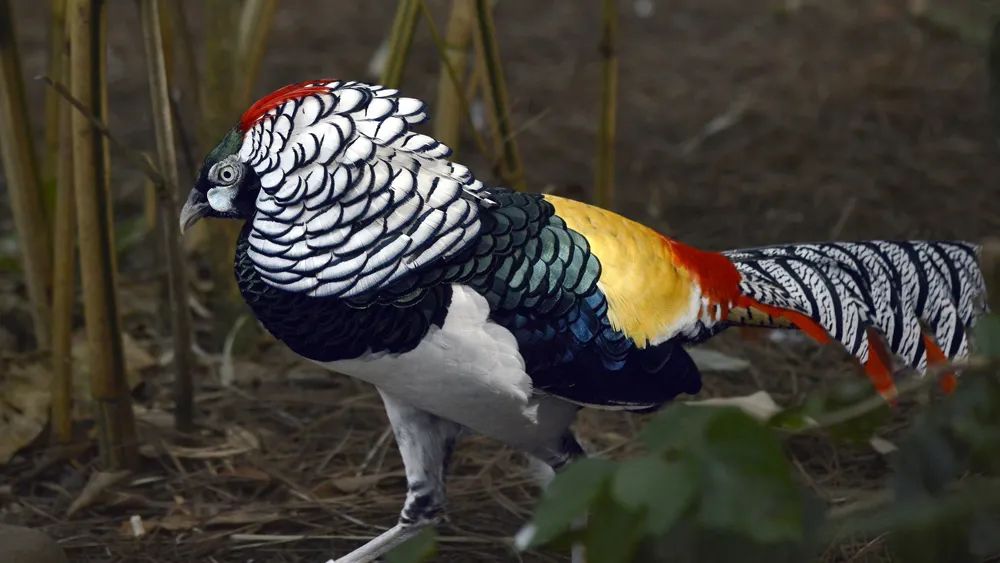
(278, 97)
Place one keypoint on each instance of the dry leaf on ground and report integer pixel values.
(358, 483)
(95, 488)
(183, 521)
(26, 394)
(137, 360)
(24, 406)
(238, 441)
(712, 360)
(759, 405)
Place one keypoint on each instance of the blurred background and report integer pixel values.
(738, 124)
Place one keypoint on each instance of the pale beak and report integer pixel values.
(194, 208)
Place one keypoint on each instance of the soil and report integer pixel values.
(739, 124)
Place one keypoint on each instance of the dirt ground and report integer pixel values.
(843, 120)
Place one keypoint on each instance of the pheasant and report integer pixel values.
(474, 307)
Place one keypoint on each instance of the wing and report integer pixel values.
(350, 199)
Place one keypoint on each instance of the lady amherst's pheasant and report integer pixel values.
(475, 307)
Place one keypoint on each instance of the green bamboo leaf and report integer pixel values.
(664, 490)
(568, 497)
(636, 478)
(748, 486)
(821, 404)
(613, 531)
(677, 426)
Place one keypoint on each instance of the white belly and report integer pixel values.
(468, 371)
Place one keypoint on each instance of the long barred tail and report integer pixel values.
(916, 299)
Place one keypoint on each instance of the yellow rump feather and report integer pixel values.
(650, 296)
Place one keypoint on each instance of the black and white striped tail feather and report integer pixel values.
(899, 288)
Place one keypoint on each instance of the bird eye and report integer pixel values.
(227, 174)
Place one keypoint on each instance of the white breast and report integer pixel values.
(468, 371)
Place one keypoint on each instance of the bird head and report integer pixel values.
(227, 187)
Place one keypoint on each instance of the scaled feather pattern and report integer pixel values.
(350, 199)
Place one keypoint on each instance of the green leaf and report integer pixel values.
(678, 426)
(736, 438)
(792, 419)
(935, 540)
(417, 549)
(567, 498)
(988, 336)
(636, 478)
(846, 392)
(748, 486)
(613, 532)
(821, 404)
(664, 490)
(860, 429)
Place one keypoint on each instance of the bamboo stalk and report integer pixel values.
(63, 272)
(57, 54)
(256, 21)
(168, 33)
(177, 35)
(20, 167)
(100, 32)
(474, 82)
(108, 386)
(149, 15)
(994, 74)
(150, 207)
(604, 182)
(400, 39)
(455, 60)
(217, 92)
(153, 236)
(462, 98)
(218, 114)
(495, 95)
(139, 159)
(182, 75)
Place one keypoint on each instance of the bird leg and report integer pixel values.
(425, 443)
(568, 449)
